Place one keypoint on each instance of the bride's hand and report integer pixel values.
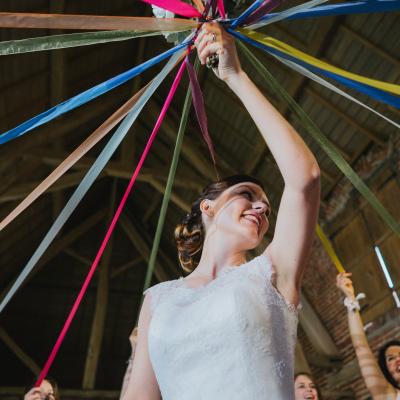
(213, 39)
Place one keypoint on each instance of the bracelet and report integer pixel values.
(353, 304)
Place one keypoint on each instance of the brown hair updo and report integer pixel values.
(190, 233)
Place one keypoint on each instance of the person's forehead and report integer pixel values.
(393, 350)
(303, 378)
(46, 385)
(251, 185)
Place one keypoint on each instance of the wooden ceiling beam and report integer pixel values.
(160, 187)
(59, 245)
(117, 271)
(374, 136)
(101, 307)
(127, 153)
(46, 134)
(17, 350)
(21, 191)
(191, 150)
(116, 169)
(151, 209)
(327, 192)
(141, 245)
(73, 254)
(370, 45)
(57, 91)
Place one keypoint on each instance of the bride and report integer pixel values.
(227, 331)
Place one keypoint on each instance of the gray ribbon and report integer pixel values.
(90, 177)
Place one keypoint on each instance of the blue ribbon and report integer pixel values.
(376, 94)
(356, 7)
(347, 8)
(90, 178)
(86, 96)
(242, 17)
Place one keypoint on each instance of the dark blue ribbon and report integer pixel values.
(85, 96)
(242, 17)
(356, 7)
(375, 93)
(347, 8)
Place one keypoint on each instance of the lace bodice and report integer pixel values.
(232, 339)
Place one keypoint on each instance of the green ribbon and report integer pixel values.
(325, 144)
(69, 40)
(168, 188)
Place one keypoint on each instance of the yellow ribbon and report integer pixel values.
(329, 249)
(289, 50)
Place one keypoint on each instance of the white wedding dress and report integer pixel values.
(232, 339)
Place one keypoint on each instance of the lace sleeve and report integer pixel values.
(267, 270)
(157, 292)
(265, 267)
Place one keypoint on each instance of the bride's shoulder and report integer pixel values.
(158, 291)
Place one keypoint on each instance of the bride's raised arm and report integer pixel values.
(298, 210)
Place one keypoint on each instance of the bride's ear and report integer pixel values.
(206, 207)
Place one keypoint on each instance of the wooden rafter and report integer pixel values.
(21, 191)
(374, 136)
(117, 271)
(100, 312)
(57, 91)
(59, 245)
(17, 350)
(141, 245)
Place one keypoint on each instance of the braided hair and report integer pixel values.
(190, 233)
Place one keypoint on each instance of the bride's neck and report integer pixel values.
(215, 256)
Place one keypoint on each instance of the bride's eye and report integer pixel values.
(246, 194)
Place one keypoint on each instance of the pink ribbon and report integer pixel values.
(221, 8)
(176, 6)
(110, 230)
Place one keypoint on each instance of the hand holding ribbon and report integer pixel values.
(213, 39)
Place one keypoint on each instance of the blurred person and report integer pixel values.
(382, 378)
(304, 387)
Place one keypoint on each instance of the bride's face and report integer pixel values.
(241, 213)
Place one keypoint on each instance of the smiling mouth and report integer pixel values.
(309, 397)
(252, 218)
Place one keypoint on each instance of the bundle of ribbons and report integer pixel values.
(243, 27)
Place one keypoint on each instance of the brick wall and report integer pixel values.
(320, 289)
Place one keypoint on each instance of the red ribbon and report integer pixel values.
(198, 104)
(110, 230)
